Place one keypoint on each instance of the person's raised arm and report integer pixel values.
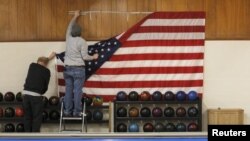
(72, 22)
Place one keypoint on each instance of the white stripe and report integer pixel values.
(146, 77)
(60, 75)
(152, 63)
(61, 89)
(114, 91)
(174, 22)
(166, 36)
(162, 49)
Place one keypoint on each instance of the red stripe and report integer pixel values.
(143, 43)
(150, 29)
(60, 68)
(149, 70)
(143, 84)
(177, 15)
(61, 82)
(157, 56)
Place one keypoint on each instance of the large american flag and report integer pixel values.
(163, 52)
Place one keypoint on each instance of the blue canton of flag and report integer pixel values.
(105, 49)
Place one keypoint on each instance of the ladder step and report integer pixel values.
(71, 118)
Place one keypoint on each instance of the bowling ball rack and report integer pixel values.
(163, 104)
(16, 120)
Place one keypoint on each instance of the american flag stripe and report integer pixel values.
(152, 63)
(164, 36)
(164, 51)
(145, 43)
(158, 56)
(160, 49)
(143, 84)
(148, 77)
(170, 29)
(174, 22)
(144, 70)
(150, 70)
(140, 84)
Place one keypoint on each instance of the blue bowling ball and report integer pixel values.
(157, 96)
(181, 96)
(133, 127)
(121, 96)
(192, 95)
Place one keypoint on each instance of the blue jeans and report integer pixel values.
(74, 80)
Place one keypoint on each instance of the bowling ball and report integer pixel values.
(193, 111)
(19, 97)
(145, 112)
(148, 127)
(170, 127)
(88, 115)
(159, 127)
(20, 127)
(9, 112)
(121, 112)
(180, 112)
(169, 112)
(54, 115)
(54, 100)
(192, 96)
(157, 112)
(1, 112)
(45, 101)
(9, 96)
(157, 96)
(181, 96)
(133, 112)
(88, 100)
(181, 127)
(45, 116)
(97, 101)
(145, 96)
(133, 127)
(1, 97)
(133, 96)
(192, 127)
(19, 112)
(121, 127)
(121, 96)
(97, 115)
(169, 96)
(9, 127)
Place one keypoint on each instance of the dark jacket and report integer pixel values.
(37, 79)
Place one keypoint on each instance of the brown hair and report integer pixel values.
(43, 59)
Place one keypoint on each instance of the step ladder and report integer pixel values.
(63, 119)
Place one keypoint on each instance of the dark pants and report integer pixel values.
(33, 109)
